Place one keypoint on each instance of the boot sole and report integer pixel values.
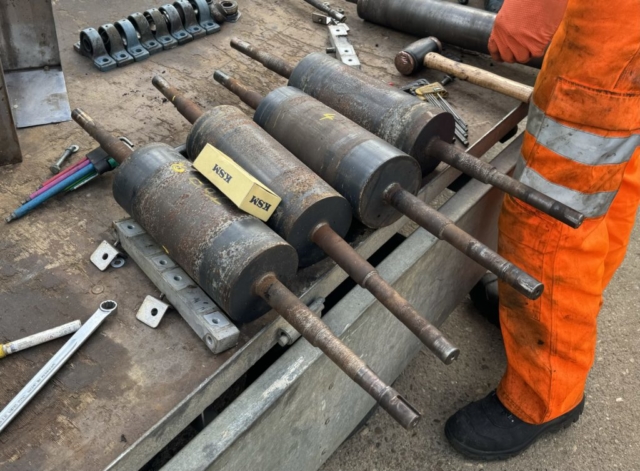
(554, 426)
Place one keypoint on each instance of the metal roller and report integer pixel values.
(368, 171)
(452, 23)
(234, 257)
(400, 119)
(312, 216)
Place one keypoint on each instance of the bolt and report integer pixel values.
(55, 168)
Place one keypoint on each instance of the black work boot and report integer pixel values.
(493, 6)
(485, 298)
(486, 430)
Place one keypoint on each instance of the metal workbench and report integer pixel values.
(131, 389)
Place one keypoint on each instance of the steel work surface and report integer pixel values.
(128, 377)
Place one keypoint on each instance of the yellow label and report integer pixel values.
(236, 183)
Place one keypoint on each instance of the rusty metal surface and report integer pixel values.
(368, 277)
(111, 145)
(294, 311)
(187, 108)
(222, 248)
(248, 96)
(271, 62)
(353, 161)
(111, 399)
(307, 200)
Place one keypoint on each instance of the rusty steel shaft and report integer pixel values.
(366, 276)
(325, 8)
(443, 228)
(271, 62)
(316, 332)
(248, 96)
(110, 144)
(187, 108)
(487, 173)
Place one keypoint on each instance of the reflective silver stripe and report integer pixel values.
(580, 146)
(592, 205)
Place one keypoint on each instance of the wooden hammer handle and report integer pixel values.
(479, 77)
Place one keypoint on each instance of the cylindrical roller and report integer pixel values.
(222, 248)
(313, 216)
(357, 164)
(364, 168)
(343, 88)
(479, 77)
(325, 8)
(487, 173)
(411, 58)
(307, 200)
(319, 335)
(458, 25)
(445, 229)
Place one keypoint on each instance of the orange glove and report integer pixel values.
(523, 29)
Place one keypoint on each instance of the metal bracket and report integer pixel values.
(113, 41)
(158, 24)
(341, 46)
(287, 335)
(131, 41)
(176, 28)
(201, 313)
(189, 20)
(147, 39)
(104, 255)
(92, 46)
(204, 16)
(151, 311)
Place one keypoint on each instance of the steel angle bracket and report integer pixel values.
(201, 313)
(104, 255)
(345, 52)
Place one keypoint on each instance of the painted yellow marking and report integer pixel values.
(329, 116)
(178, 167)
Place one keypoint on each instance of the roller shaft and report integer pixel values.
(186, 107)
(336, 15)
(111, 145)
(250, 97)
(443, 228)
(366, 276)
(487, 173)
(271, 62)
(296, 313)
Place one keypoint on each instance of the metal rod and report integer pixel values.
(39, 338)
(487, 173)
(336, 15)
(445, 229)
(186, 107)
(366, 276)
(316, 332)
(111, 145)
(55, 363)
(271, 62)
(68, 152)
(249, 97)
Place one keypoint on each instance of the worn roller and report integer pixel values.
(312, 216)
(234, 257)
(367, 170)
(400, 119)
(458, 25)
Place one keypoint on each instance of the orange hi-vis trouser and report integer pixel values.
(581, 148)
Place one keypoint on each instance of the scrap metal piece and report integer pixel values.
(158, 24)
(189, 20)
(93, 47)
(68, 152)
(204, 16)
(151, 311)
(55, 363)
(174, 22)
(10, 152)
(196, 308)
(131, 40)
(114, 44)
(344, 51)
(147, 39)
(104, 255)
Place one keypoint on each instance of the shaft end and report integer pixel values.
(248, 96)
(400, 409)
(405, 63)
(159, 82)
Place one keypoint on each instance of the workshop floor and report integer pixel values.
(606, 436)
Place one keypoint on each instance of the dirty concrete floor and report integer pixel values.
(606, 436)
